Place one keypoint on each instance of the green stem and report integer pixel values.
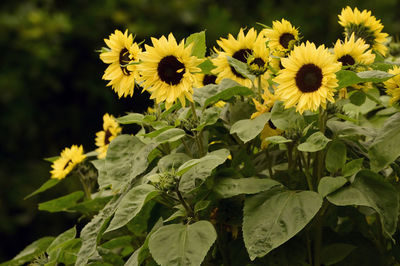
(271, 174)
(259, 87)
(84, 185)
(186, 147)
(290, 155)
(189, 210)
(197, 135)
(306, 171)
(308, 240)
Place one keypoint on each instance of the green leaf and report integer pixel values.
(170, 135)
(371, 190)
(62, 203)
(91, 206)
(341, 128)
(228, 93)
(201, 205)
(278, 140)
(335, 156)
(199, 43)
(48, 184)
(347, 78)
(195, 171)
(286, 118)
(358, 98)
(335, 253)
(230, 187)
(240, 67)
(207, 66)
(200, 95)
(126, 159)
(385, 148)
(273, 217)
(182, 245)
(51, 159)
(172, 161)
(131, 204)
(132, 118)
(62, 240)
(30, 252)
(330, 184)
(248, 129)
(159, 130)
(209, 117)
(315, 142)
(352, 167)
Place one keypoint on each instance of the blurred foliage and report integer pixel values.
(52, 95)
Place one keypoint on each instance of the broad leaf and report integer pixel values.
(132, 118)
(371, 190)
(206, 67)
(199, 43)
(170, 135)
(131, 204)
(335, 156)
(330, 184)
(315, 142)
(228, 93)
(62, 203)
(335, 253)
(229, 187)
(48, 184)
(286, 118)
(347, 77)
(201, 95)
(273, 217)
(172, 161)
(352, 167)
(209, 117)
(248, 129)
(241, 68)
(277, 140)
(385, 148)
(182, 245)
(91, 206)
(62, 239)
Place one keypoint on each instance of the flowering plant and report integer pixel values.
(269, 151)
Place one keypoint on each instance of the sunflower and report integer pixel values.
(205, 79)
(308, 78)
(364, 26)
(122, 55)
(67, 161)
(393, 85)
(239, 49)
(110, 130)
(167, 70)
(282, 37)
(269, 130)
(352, 52)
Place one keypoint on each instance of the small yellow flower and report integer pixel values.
(111, 129)
(68, 159)
(393, 85)
(269, 100)
(282, 37)
(121, 73)
(353, 52)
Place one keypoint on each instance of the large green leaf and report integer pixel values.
(273, 217)
(329, 184)
(172, 161)
(197, 170)
(182, 245)
(200, 95)
(241, 68)
(229, 187)
(248, 129)
(48, 184)
(335, 253)
(170, 135)
(91, 206)
(209, 117)
(335, 156)
(228, 93)
(344, 128)
(132, 118)
(347, 77)
(315, 142)
(126, 158)
(371, 190)
(61, 242)
(385, 148)
(30, 252)
(62, 203)
(131, 204)
(284, 118)
(199, 43)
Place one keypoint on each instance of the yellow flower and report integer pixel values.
(121, 73)
(269, 100)
(269, 130)
(239, 49)
(351, 52)
(282, 37)
(67, 161)
(393, 85)
(167, 70)
(110, 130)
(204, 79)
(308, 79)
(364, 26)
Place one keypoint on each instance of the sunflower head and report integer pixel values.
(110, 130)
(167, 70)
(308, 79)
(122, 56)
(353, 52)
(66, 162)
(269, 100)
(393, 85)
(239, 48)
(282, 37)
(204, 79)
(365, 26)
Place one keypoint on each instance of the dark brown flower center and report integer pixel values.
(170, 70)
(285, 38)
(240, 55)
(124, 60)
(309, 78)
(209, 79)
(271, 125)
(259, 62)
(347, 60)
(67, 163)
(107, 137)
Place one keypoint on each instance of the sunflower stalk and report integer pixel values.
(198, 135)
(85, 187)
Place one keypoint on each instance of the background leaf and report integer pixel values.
(315, 142)
(199, 43)
(335, 157)
(330, 184)
(248, 129)
(62, 203)
(229, 187)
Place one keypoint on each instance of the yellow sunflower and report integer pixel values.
(205, 79)
(364, 26)
(353, 52)
(393, 85)
(308, 79)
(239, 49)
(67, 161)
(282, 37)
(259, 60)
(122, 55)
(110, 130)
(167, 70)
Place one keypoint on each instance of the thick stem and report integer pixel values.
(306, 171)
(186, 147)
(84, 185)
(271, 174)
(189, 210)
(197, 135)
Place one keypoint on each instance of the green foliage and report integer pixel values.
(199, 44)
(248, 129)
(315, 142)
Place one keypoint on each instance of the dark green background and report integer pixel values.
(52, 94)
